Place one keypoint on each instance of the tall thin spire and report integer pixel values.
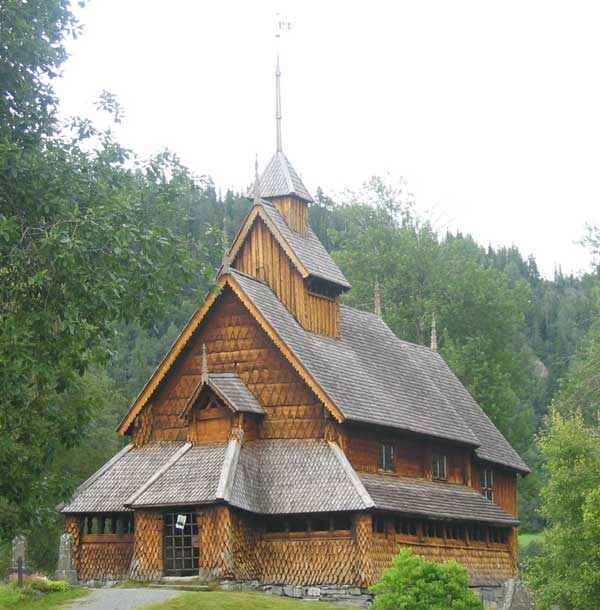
(434, 346)
(278, 104)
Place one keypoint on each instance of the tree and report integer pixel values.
(31, 53)
(566, 573)
(481, 312)
(90, 236)
(414, 583)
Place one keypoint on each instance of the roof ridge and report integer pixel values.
(228, 470)
(352, 475)
(286, 173)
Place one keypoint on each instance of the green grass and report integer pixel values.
(13, 599)
(525, 539)
(225, 600)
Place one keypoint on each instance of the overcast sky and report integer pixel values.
(489, 110)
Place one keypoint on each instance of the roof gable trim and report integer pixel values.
(258, 211)
(187, 333)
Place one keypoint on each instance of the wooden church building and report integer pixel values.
(289, 439)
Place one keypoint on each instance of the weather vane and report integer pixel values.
(282, 26)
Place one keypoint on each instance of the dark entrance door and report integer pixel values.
(181, 548)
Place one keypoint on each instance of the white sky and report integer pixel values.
(489, 110)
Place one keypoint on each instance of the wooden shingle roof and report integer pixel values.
(432, 499)
(280, 179)
(269, 477)
(375, 378)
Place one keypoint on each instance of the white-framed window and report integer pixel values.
(439, 467)
(386, 457)
(487, 483)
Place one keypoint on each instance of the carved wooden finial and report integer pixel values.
(204, 370)
(377, 307)
(434, 345)
(225, 269)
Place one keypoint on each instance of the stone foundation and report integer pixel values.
(496, 597)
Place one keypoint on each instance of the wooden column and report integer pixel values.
(147, 563)
(363, 542)
(216, 542)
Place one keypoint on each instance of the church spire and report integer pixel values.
(278, 105)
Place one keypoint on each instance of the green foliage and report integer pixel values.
(566, 572)
(414, 583)
(90, 237)
(30, 599)
(480, 311)
(43, 586)
(32, 35)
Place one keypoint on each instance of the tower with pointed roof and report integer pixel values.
(291, 440)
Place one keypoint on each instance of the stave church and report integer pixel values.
(288, 440)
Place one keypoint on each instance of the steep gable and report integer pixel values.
(235, 344)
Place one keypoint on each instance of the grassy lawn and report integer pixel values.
(12, 599)
(525, 539)
(226, 600)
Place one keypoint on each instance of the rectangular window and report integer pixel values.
(487, 483)
(386, 457)
(439, 467)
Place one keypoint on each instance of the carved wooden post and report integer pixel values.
(363, 541)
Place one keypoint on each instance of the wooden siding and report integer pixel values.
(505, 486)
(148, 562)
(486, 564)
(211, 425)
(412, 455)
(234, 343)
(294, 212)
(362, 449)
(261, 256)
(105, 557)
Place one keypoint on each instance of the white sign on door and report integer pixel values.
(181, 519)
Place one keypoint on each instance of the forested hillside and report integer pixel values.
(104, 256)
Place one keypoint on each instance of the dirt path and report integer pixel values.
(121, 599)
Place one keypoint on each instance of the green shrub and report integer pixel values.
(414, 583)
(43, 586)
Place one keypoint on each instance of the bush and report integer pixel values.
(43, 586)
(414, 583)
(530, 551)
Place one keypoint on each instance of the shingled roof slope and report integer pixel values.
(235, 392)
(433, 499)
(375, 378)
(308, 248)
(294, 476)
(279, 179)
(193, 479)
(111, 487)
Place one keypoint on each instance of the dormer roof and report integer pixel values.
(230, 388)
